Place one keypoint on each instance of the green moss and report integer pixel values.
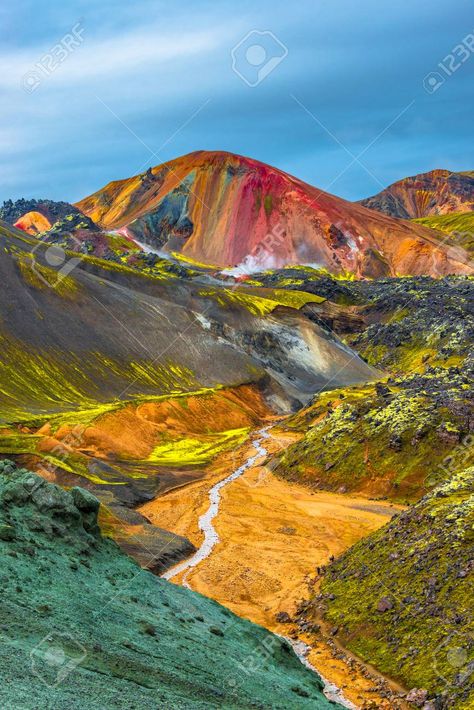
(14, 442)
(420, 564)
(43, 277)
(190, 451)
(458, 225)
(260, 302)
(268, 204)
(391, 443)
(284, 282)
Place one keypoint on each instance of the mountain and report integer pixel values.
(82, 622)
(437, 192)
(86, 330)
(228, 210)
(129, 383)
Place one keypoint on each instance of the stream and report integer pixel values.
(211, 538)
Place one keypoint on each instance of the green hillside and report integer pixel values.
(402, 598)
(458, 225)
(83, 626)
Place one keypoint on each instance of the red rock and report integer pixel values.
(227, 210)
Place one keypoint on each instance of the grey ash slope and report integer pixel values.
(83, 626)
(105, 330)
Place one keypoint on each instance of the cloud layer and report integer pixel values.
(153, 81)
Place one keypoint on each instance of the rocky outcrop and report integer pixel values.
(378, 438)
(402, 598)
(12, 211)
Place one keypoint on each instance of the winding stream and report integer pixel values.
(211, 538)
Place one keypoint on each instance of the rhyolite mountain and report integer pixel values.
(437, 192)
(93, 331)
(224, 209)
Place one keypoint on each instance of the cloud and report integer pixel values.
(144, 49)
(170, 81)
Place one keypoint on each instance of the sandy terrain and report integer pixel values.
(273, 536)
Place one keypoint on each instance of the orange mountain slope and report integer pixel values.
(226, 210)
(435, 193)
(33, 222)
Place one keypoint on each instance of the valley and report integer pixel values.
(271, 538)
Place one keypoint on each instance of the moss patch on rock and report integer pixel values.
(402, 598)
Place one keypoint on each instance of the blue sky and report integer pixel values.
(153, 80)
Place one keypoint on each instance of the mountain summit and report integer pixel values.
(435, 193)
(228, 210)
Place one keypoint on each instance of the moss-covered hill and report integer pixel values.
(402, 598)
(394, 437)
(83, 626)
(459, 230)
(389, 439)
(95, 331)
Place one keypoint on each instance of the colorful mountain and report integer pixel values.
(437, 192)
(86, 330)
(227, 210)
(94, 349)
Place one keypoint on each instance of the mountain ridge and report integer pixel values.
(436, 192)
(227, 210)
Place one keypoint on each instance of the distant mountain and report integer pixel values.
(34, 216)
(63, 224)
(227, 210)
(438, 192)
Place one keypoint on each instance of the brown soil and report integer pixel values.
(134, 430)
(274, 535)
